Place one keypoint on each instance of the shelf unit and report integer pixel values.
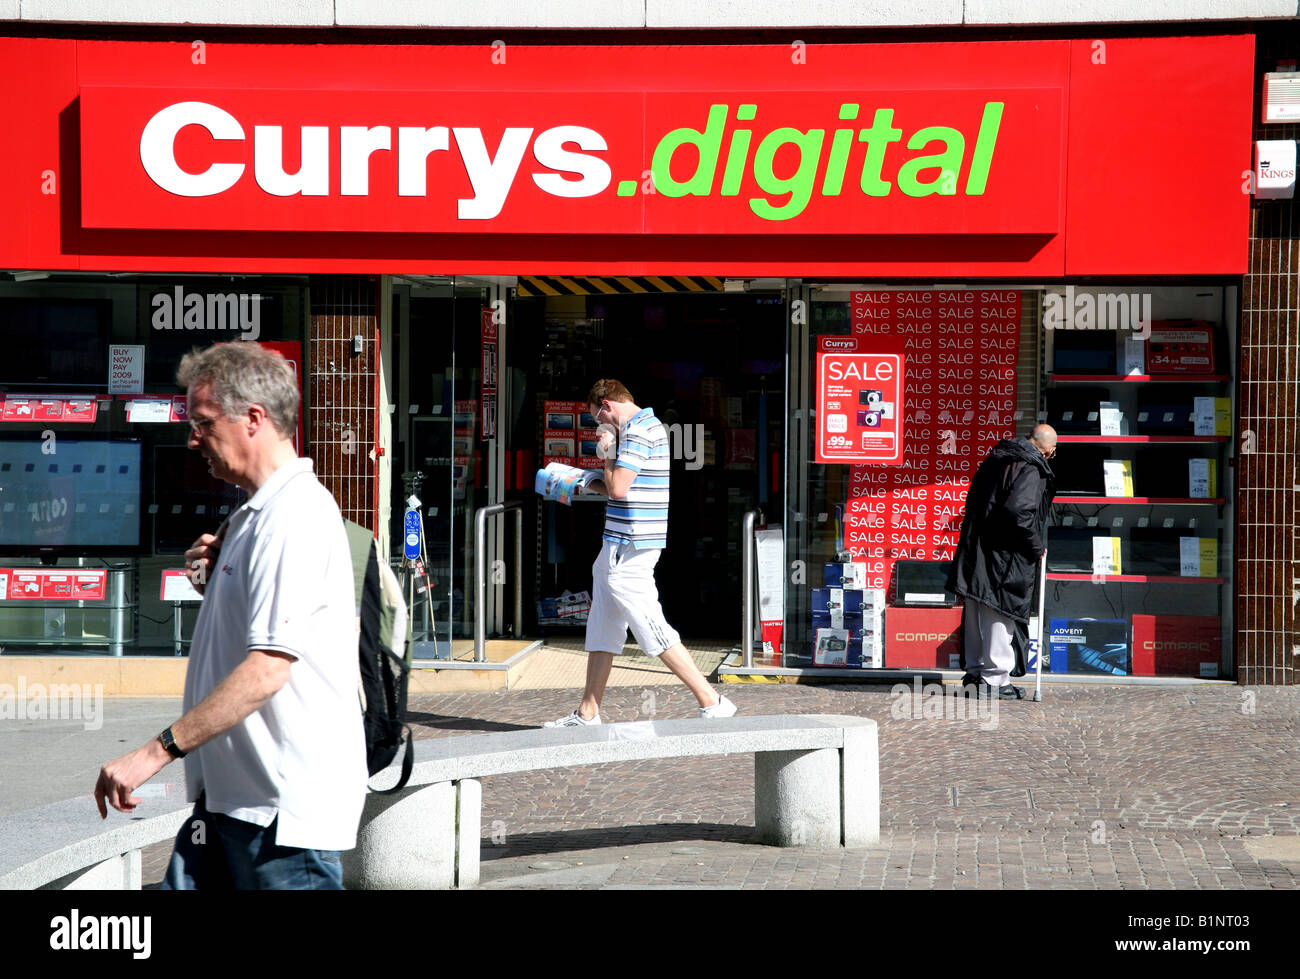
(1152, 579)
(1142, 500)
(1141, 439)
(1053, 379)
(1159, 449)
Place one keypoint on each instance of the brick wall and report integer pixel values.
(1268, 473)
(341, 416)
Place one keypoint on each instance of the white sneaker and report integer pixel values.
(723, 708)
(576, 720)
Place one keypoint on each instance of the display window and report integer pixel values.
(898, 394)
(95, 472)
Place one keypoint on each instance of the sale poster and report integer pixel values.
(859, 403)
(959, 350)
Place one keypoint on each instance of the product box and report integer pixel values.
(1112, 419)
(837, 608)
(852, 575)
(1031, 649)
(1180, 347)
(1089, 646)
(1198, 557)
(1212, 416)
(923, 638)
(837, 647)
(1177, 645)
(1106, 555)
(1135, 356)
(850, 615)
(1117, 476)
(569, 608)
(1201, 482)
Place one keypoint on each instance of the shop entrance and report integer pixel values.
(441, 454)
(712, 367)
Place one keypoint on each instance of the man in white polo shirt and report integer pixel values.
(272, 719)
(623, 593)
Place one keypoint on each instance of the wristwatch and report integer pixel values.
(169, 743)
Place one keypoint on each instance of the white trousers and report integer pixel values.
(624, 596)
(988, 639)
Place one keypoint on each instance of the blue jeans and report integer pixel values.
(218, 852)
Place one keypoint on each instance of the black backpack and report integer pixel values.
(384, 674)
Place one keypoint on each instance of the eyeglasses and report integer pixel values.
(201, 426)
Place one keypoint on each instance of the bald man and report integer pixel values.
(995, 568)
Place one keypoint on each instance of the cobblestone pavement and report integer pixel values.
(1095, 787)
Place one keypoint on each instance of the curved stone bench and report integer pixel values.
(816, 783)
(66, 845)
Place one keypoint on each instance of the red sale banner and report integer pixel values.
(859, 403)
(959, 349)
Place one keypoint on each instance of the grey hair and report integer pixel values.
(244, 373)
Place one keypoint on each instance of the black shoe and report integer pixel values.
(971, 685)
(1010, 692)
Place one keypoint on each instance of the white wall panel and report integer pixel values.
(1113, 11)
(807, 13)
(635, 14)
(490, 13)
(281, 13)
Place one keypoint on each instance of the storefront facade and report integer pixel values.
(994, 214)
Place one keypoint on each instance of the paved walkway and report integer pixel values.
(562, 663)
(1095, 787)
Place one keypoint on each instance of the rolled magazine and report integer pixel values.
(559, 482)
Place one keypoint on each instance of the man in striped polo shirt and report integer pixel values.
(623, 593)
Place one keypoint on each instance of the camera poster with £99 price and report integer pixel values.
(859, 403)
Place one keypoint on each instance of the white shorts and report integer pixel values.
(623, 596)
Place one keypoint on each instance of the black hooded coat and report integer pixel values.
(1002, 533)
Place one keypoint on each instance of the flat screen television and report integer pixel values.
(70, 497)
(54, 343)
(190, 500)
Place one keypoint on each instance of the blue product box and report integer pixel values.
(1090, 646)
(851, 575)
(837, 608)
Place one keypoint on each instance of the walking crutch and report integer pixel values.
(1042, 591)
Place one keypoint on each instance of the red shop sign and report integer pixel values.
(935, 160)
(944, 161)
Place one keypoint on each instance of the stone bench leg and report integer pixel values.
(797, 797)
(120, 873)
(423, 838)
(860, 780)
